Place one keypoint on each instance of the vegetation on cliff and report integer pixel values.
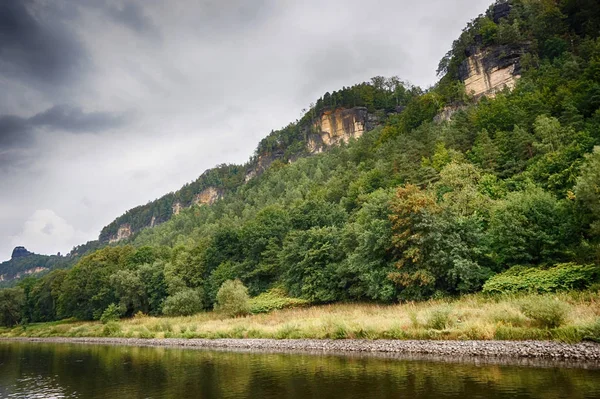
(413, 210)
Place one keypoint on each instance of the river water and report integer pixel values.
(37, 370)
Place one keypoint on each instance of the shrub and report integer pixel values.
(274, 299)
(111, 313)
(545, 312)
(233, 299)
(592, 332)
(111, 328)
(439, 319)
(184, 303)
(562, 277)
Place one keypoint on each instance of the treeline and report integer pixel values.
(412, 210)
(222, 177)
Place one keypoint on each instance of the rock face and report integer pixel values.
(208, 196)
(448, 112)
(20, 252)
(337, 126)
(487, 71)
(123, 233)
(177, 207)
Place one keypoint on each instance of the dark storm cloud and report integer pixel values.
(16, 131)
(34, 46)
(74, 120)
(12, 130)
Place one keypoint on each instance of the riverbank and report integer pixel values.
(569, 317)
(582, 352)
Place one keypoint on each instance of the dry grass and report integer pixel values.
(470, 317)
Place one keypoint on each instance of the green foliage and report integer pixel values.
(233, 299)
(439, 318)
(592, 332)
(562, 277)
(112, 312)
(274, 299)
(546, 312)
(587, 189)
(183, 303)
(111, 329)
(531, 226)
(309, 260)
(412, 209)
(12, 303)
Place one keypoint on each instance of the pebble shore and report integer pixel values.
(587, 352)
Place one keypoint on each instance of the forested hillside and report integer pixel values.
(455, 191)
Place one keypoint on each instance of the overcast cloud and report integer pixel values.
(105, 105)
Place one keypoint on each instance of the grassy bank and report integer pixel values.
(565, 317)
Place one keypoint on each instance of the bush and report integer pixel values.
(439, 319)
(545, 311)
(562, 277)
(592, 332)
(111, 313)
(111, 329)
(184, 303)
(233, 299)
(274, 299)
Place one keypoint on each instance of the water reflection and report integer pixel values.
(30, 370)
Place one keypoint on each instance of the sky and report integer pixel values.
(105, 105)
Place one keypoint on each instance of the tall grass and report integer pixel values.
(565, 317)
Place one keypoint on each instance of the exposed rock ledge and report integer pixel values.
(337, 126)
(585, 352)
(123, 233)
(488, 71)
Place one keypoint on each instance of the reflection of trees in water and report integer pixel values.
(112, 372)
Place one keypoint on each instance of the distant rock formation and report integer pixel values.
(337, 126)
(487, 71)
(123, 233)
(208, 196)
(176, 207)
(20, 252)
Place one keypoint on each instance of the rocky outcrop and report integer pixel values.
(337, 126)
(123, 233)
(27, 272)
(176, 207)
(20, 252)
(208, 196)
(487, 71)
(448, 112)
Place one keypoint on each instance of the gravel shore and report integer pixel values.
(543, 350)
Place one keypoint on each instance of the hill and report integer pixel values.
(487, 181)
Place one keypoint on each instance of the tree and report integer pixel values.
(587, 189)
(529, 227)
(12, 303)
(233, 299)
(130, 290)
(183, 303)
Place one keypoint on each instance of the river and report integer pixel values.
(42, 370)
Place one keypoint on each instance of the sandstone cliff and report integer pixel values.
(338, 126)
(123, 233)
(487, 71)
(208, 196)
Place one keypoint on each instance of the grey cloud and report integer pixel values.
(12, 130)
(74, 120)
(132, 15)
(34, 46)
(16, 133)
